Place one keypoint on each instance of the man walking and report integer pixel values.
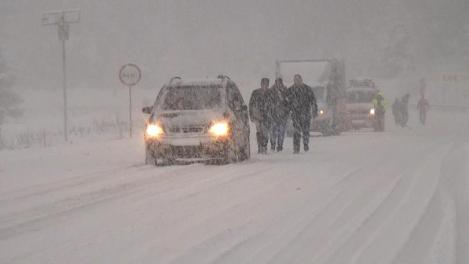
(380, 109)
(404, 110)
(302, 103)
(423, 107)
(260, 114)
(395, 111)
(278, 98)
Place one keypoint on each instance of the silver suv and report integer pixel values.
(197, 121)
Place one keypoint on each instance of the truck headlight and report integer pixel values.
(372, 111)
(321, 112)
(219, 129)
(154, 130)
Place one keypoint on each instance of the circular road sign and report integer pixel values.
(130, 74)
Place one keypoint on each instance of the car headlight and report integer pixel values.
(372, 111)
(322, 112)
(154, 130)
(219, 129)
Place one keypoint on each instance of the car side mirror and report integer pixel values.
(147, 109)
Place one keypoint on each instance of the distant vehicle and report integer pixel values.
(327, 78)
(359, 104)
(197, 121)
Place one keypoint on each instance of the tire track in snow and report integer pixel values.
(30, 219)
(364, 236)
(243, 242)
(295, 227)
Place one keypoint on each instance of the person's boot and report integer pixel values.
(272, 147)
(306, 147)
(279, 148)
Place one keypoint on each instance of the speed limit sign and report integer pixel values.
(129, 75)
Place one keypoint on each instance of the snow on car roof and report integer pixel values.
(197, 82)
(362, 89)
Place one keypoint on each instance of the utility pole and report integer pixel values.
(62, 19)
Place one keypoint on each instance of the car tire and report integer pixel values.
(150, 158)
(229, 154)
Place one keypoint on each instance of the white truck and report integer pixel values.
(327, 78)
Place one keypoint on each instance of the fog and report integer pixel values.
(243, 39)
(367, 163)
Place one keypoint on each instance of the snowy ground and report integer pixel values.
(394, 197)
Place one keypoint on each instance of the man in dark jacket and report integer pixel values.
(302, 103)
(260, 114)
(278, 95)
(405, 110)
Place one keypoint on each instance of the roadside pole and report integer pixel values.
(129, 75)
(62, 19)
(64, 85)
(130, 111)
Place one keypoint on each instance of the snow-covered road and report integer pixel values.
(394, 197)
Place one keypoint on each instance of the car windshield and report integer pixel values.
(360, 97)
(320, 93)
(192, 98)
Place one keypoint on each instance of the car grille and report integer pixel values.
(186, 151)
(359, 114)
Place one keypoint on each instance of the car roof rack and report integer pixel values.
(175, 78)
(222, 76)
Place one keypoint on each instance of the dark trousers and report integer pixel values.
(262, 136)
(379, 122)
(301, 127)
(277, 134)
(423, 117)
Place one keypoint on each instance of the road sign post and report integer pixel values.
(130, 74)
(62, 19)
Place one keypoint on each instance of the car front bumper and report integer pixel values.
(361, 121)
(190, 149)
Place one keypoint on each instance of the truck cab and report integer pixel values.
(359, 104)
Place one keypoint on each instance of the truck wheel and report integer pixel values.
(326, 131)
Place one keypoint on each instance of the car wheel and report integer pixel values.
(229, 154)
(150, 158)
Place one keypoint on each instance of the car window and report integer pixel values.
(192, 98)
(359, 97)
(235, 100)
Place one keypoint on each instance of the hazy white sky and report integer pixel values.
(240, 38)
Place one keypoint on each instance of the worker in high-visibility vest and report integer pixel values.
(379, 106)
